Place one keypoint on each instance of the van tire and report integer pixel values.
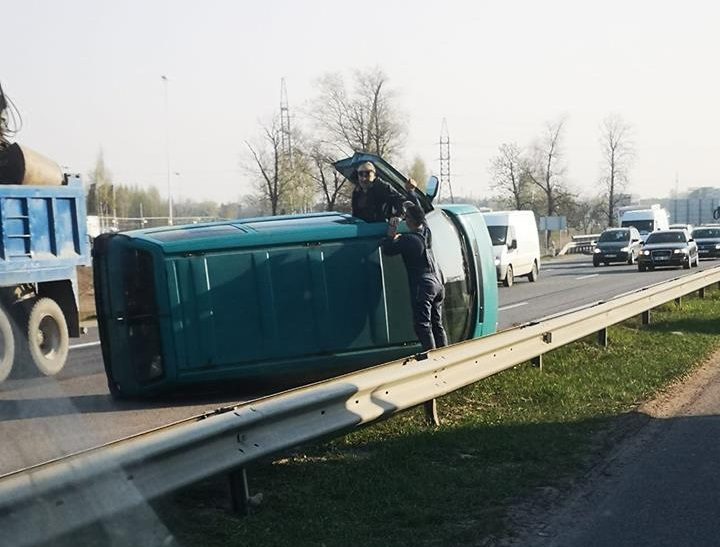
(508, 281)
(533, 275)
(48, 341)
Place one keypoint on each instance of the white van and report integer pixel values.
(516, 245)
(645, 220)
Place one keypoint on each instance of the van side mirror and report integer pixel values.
(431, 187)
(512, 244)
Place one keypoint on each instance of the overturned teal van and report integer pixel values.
(289, 297)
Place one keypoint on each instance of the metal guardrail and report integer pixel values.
(43, 501)
(580, 244)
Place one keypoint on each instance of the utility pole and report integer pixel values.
(285, 140)
(167, 151)
(445, 160)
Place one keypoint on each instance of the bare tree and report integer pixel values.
(509, 175)
(332, 185)
(546, 170)
(285, 181)
(365, 119)
(618, 155)
(267, 157)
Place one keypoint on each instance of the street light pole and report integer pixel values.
(167, 150)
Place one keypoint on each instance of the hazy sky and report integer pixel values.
(87, 75)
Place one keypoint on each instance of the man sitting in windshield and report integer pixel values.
(374, 200)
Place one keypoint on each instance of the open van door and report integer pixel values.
(347, 168)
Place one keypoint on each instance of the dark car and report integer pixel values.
(668, 248)
(707, 239)
(617, 245)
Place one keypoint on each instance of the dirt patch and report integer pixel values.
(87, 292)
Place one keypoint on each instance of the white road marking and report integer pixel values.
(587, 276)
(511, 306)
(87, 345)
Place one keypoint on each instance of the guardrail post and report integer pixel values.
(431, 414)
(239, 491)
(678, 301)
(701, 293)
(603, 337)
(646, 317)
(537, 361)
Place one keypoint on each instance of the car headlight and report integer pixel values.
(680, 251)
(624, 249)
(597, 250)
(646, 253)
(717, 246)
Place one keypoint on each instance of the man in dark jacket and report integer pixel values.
(374, 200)
(426, 286)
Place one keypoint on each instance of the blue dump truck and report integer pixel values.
(289, 297)
(43, 239)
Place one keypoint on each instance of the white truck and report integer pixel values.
(646, 219)
(516, 244)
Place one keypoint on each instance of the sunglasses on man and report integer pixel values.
(364, 173)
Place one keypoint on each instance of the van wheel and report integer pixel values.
(533, 275)
(508, 281)
(7, 346)
(48, 341)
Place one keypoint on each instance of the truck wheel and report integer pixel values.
(533, 275)
(47, 337)
(508, 281)
(7, 346)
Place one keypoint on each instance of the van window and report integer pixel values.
(498, 234)
(643, 226)
(451, 254)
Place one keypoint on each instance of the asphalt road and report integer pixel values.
(658, 488)
(48, 418)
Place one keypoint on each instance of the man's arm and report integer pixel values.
(392, 244)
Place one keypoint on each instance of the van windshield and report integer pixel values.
(614, 235)
(643, 226)
(498, 234)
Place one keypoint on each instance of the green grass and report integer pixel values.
(401, 482)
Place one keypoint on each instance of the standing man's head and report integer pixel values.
(414, 215)
(366, 173)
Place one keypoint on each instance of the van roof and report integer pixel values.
(261, 231)
(266, 231)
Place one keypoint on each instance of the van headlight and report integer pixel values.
(497, 261)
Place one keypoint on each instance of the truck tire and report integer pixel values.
(7, 346)
(48, 341)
